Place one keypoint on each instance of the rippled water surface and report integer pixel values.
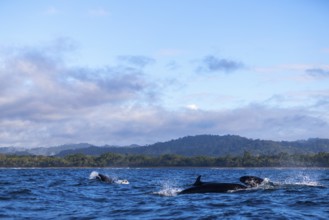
(152, 194)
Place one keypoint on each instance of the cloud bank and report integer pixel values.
(46, 102)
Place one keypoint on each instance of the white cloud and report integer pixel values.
(37, 89)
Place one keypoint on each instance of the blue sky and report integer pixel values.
(139, 72)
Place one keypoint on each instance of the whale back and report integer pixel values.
(104, 178)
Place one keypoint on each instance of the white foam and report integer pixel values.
(125, 182)
(168, 192)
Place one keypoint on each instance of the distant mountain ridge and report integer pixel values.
(47, 151)
(199, 145)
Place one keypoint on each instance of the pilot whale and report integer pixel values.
(212, 187)
(104, 178)
(251, 181)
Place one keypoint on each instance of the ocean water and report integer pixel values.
(152, 194)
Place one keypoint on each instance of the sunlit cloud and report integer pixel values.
(192, 107)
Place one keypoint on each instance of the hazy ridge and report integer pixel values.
(199, 145)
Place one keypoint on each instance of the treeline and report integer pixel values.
(119, 160)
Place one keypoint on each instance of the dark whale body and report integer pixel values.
(251, 181)
(211, 187)
(104, 178)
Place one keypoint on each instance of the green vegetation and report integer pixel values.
(120, 160)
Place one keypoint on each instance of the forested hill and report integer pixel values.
(213, 145)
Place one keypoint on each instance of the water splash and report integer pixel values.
(303, 180)
(264, 185)
(93, 175)
(168, 190)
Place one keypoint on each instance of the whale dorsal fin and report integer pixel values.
(198, 181)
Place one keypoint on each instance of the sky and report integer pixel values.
(140, 72)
